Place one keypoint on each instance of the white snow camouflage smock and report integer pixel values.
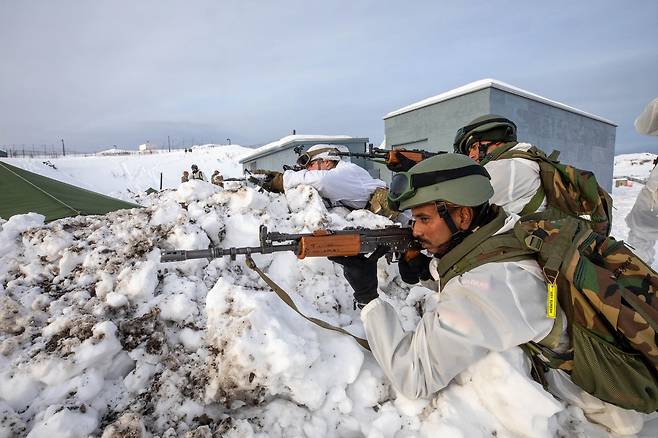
(346, 184)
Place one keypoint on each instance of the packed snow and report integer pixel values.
(128, 176)
(98, 338)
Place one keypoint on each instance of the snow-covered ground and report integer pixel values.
(98, 338)
(123, 176)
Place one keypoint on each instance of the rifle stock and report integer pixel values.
(321, 243)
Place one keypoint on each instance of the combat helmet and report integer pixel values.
(451, 178)
(490, 127)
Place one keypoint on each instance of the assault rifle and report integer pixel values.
(397, 160)
(320, 243)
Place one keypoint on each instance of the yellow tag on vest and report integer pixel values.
(551, 300)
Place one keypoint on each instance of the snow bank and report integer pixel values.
(98, 338)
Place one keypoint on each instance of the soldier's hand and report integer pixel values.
(361, 273)
(274, 182)
(412, 270)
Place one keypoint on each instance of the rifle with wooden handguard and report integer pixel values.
(320, 243)
(397, 160)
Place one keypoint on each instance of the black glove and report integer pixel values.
(414, 269)
(361, 273)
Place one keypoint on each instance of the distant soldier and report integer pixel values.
(185, 177)
(197, 174)
(217, 179)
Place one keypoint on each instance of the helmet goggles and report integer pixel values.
(404, 184)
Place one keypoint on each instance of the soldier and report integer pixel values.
(185, 177)
(197, 174)
(490, 308)
(515, 181)
(339, 181)
(217, 178)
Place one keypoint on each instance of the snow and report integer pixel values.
(98, 338)
(125, 176)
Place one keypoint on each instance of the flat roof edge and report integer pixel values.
(268, 148)
(492, 83)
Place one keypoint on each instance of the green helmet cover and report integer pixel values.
(490, 127)
(466, 191)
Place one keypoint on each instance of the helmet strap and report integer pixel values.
(482, 150)
(457, 234)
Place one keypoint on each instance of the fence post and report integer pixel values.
(160, 180)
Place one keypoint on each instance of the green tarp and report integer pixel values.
(23, 192)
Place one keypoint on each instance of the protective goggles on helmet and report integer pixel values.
(404, 184)
(307, 157)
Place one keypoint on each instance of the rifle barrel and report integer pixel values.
(213, 253)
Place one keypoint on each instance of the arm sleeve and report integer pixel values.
(346, 183)
(491, 308)
(515, 181)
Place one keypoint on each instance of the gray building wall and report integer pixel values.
(275, 159)
(583, 142)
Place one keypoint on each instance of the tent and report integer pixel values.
(23, 192)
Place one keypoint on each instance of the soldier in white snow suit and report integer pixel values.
(515, 180)
(642, 221)
(491, 308)
(339, 181)
(197, 174)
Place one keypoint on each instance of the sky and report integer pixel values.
(105, 73)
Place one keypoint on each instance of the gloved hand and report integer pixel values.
(361, 273)
(414, 269)
(274, 182)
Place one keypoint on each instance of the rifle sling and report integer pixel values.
(286, 299)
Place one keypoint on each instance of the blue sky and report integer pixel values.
(99, 73)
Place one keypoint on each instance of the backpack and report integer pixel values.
(606, 292)
(568, 191)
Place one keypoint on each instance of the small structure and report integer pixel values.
(22, 192)
(584, 140)
(3, 154)
(147, 148)
(273, 156)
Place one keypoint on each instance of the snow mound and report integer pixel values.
(97, 337)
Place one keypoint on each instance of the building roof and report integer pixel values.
(485, 83)
(289, 140)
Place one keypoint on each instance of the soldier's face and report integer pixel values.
(474, 150)
(432, 231)
(321, 165)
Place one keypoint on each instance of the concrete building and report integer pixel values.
(584, 140)
(147, 147)
(273, 156)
